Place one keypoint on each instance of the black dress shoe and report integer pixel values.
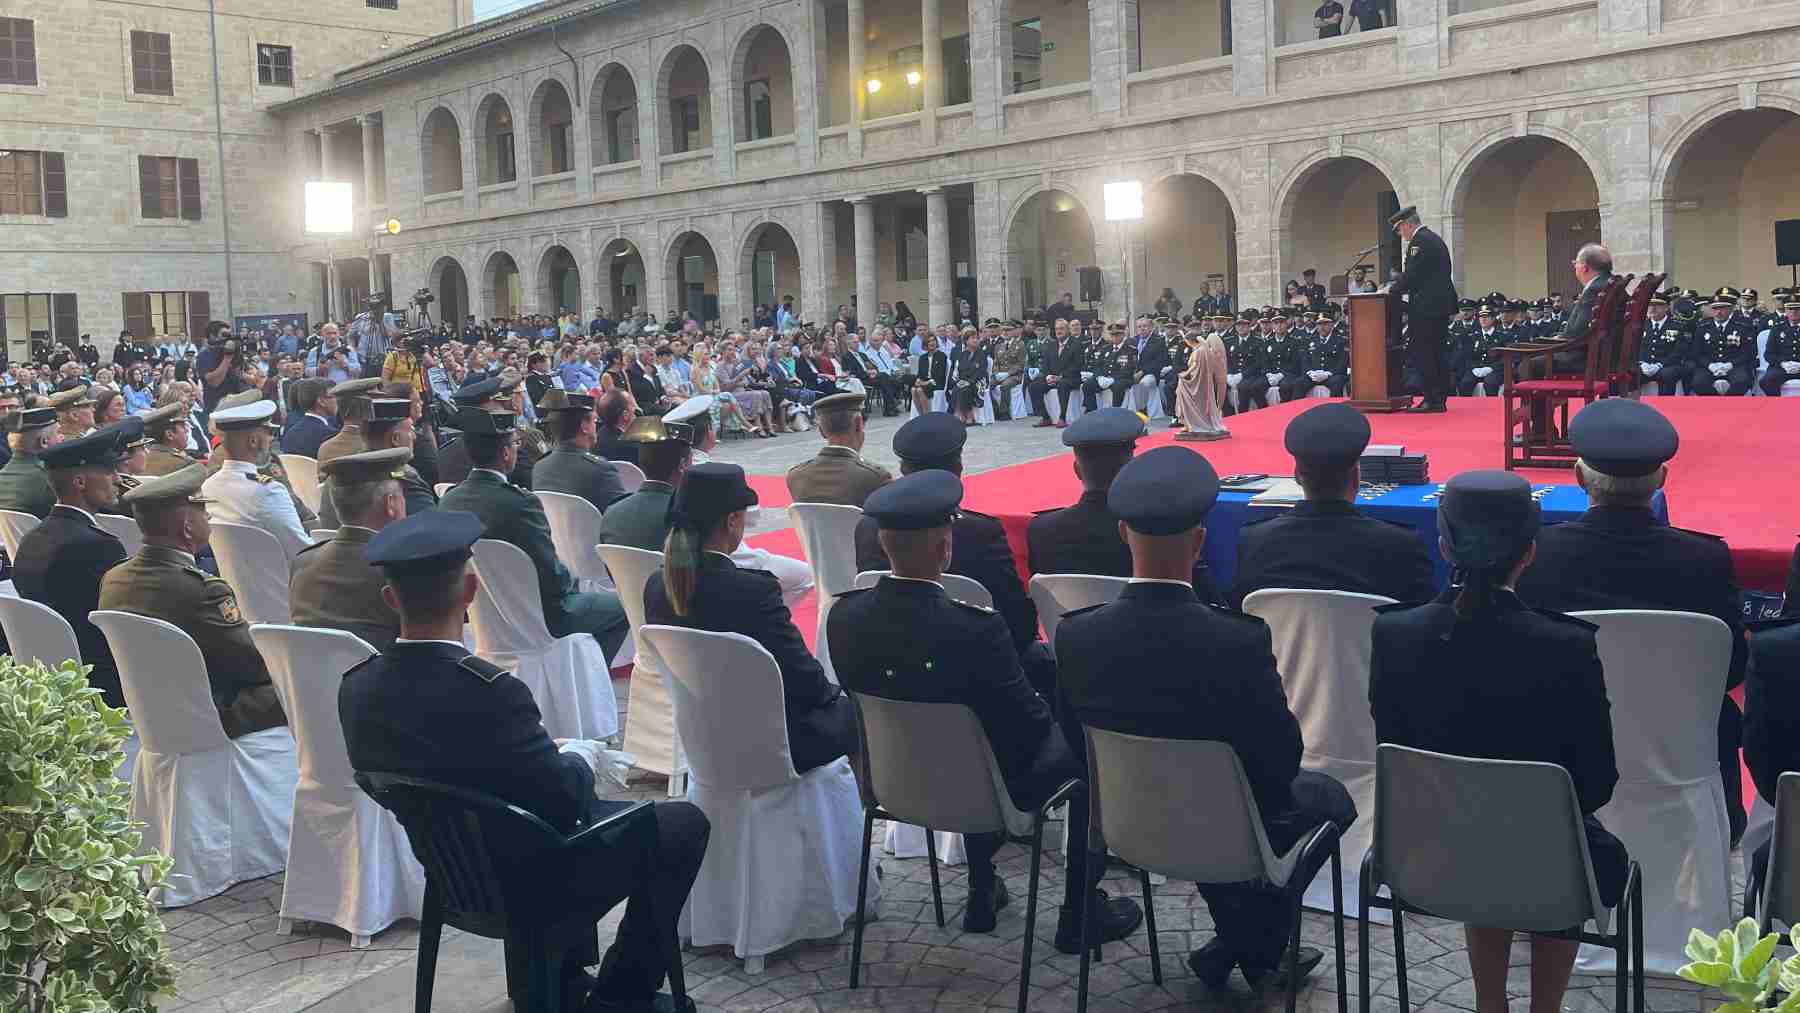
(659, 1003)
(1277, 977)
(1118, 917)
(984, 906)
(1212, 964)
(1427, 408)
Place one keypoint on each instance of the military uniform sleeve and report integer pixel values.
(803, 681)
(1270, 747)
(282, 520)
(1790, 604)
(232, 660)
(532, 534)
(552, 785)
(992, 565)
(1590, 760)
(1387, 705)
(606, 488)
(1032, 751)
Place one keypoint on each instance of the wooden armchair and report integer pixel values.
(1535, 408)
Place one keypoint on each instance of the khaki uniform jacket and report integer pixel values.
(164, 583)
(348, 441)
(335, 588)
(25, 487)
(836, 475)
(160, 460)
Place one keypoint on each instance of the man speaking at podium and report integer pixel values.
(1431, 302)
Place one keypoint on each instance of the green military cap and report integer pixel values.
(31, 418)
(652, 429)
(557, 400)
(850, 402)
(389, 409)
(368, 466)
(74, 397)
(158, 420)
(181, 486)
(353, 387)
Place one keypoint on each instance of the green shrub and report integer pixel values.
(1739, 964)
(78, 933)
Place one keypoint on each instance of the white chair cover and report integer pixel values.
(38, 632)
(631, 477)
(1320, 390)
(349, 863)
(14, 525)
(1790, 388)
(782, 863)
(938, 404)
(303, 477)
(575, 530)
(1058, 594)
(124, 529)
(1146, 396)
(220, 808)
(650, 733)
(1021, 402)
(443, 487)
(252, 561)
(1664, 672)
(828, 538)
(1322, 651)
(568, 676)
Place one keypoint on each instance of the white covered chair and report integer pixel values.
(568, 676)
(124, 529)
(14, 525)
(957, 586)
(1776, 897)
(650, 734)
(1058, 594)
(1790, 388)
(575, 531)
(1147, 398)
(1020, 402)
(1663, 669)
(35, 631)
(220, 808)
(631, 477)
(252, 561)
(782, 864)
(443, 487)
(939, 403)
(303, 476)
(1322, 651)
(828, 538)
(349, 863)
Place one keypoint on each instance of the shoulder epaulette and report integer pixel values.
(985, 610)
(1564, 617)
(1703, 534)
(315, 545)
(481, 668)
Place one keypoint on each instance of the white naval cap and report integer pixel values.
(691, 408)
(244, 416)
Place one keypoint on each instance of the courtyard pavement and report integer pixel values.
(230, 959)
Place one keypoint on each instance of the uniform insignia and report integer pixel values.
(983, 609)
(481, 668)
(229, 609)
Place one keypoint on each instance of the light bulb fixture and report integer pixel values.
(874, 85)
(913, 78)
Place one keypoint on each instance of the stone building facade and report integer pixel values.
(100, 84)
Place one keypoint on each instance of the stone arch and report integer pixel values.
(440, 152)
(1456, 183)
(1679, 146)
(624, 280)
(1046, 225)
(763, 53)
(613, 106)
(781, 274)
(450, 283)
(502, 285)
(550, 119)
(1723, 181)
(1500, 199)
(687, 284)
(496, 145)
(1354, 175)
(1189, 235)
(684, 74)
(559, 281)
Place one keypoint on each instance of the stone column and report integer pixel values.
(374, 194)
(1424, 41)
(931, 43)
(941, 287)
(1251, 38)
(996, 275)
(990, 62)
(818, 260)
(868, 294)
(725, 115)
(1625, 221)
(650, 128)
(858, 93)
(324, 153)
(1108, 55)
(1258, 235)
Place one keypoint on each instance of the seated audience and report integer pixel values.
(317, 422)
(333, 586)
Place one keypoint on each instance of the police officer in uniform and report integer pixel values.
(1724, 348)
(24, 486)
(239, 492)
(61, 561)
(1783, 350)
(1619, 556)
(1243, 363)
(163, 582)
(573, 467)
(511, 514)
(1431, 294)
(838, 474)
(1324, 542)
(1160, 662)
(426, 707)
(1481, 345)
(1665, 350)
(935, 441)
(333, 586)
(1321, 359)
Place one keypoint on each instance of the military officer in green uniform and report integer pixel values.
(838, 474)
(333, 586)
(167, 428)
(387, 423)
(163, 582)
(641, 520)
(573, 467)
(352, 410)
(24, 485)
(511, 514)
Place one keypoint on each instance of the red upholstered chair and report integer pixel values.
(1547, 397)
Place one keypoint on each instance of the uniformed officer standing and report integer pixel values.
(935, 441)
(23, 484)
(333, 586)
(1160, 662)
(1724, 348)
(1783, 350)
(907, 639)
(426, 707)
(167, 427)
(1431, 301)
(239, 493)
(838, 474)
(1324, 543)
(352, 400)
(163, 582)
(1619, 556)
(1664, 353)
(573, 467)
(60, 562)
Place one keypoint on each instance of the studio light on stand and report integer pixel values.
(1124, 200)
(329, 212)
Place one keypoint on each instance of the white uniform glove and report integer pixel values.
(1106, 383)
(1232, 379)
(1317, 375)
(1482, 372)
(1001, 377)
(1720, 368)
(1273, 378)
(1086, 376)
(1165, 371)
(607, 764)
(1649, 368)
(1033, 373)
(1791, 367)
(964, 384)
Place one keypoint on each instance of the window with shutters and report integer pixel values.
(275, 65)
(18, 52)
(33, 183)
(152, 73)
(156, 314)
(386, 5)
(169, 187)
(28, 317)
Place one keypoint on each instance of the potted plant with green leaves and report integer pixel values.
(1742, 965)
(78, 931)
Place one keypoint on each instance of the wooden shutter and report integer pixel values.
(137, 313)
(149, 188)
(65, 319)
(56, 185)
(143, 73)
(199, 309)
(187, 171)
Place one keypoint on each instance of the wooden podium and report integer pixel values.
(1373, 349)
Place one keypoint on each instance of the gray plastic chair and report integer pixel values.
(1496, 843)
(1058, 594)
(1202, 826)
(923, 763)
(1775, 896)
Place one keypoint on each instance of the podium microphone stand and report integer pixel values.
(1374, 336)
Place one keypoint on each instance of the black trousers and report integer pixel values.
(1425, 350)
(1091, 391)
(1295, 389)
(1036, 390)
(637, 962)
(1466, 384)
(1063, 389)
(1665, 381)
(1701, 381)
(1252, 394)
(1252, 921)
(1773, 378)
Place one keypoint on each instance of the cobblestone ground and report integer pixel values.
(231, 960)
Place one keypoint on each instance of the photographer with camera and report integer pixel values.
(333, 359)
(409, 360)
(221, 365)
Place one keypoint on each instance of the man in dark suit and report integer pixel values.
(1152, 361)
(1619, 556)
(60, 562)
(906, 639)
(1431, 302)
(317, 424)
(1324, 543)
(614, 411)
(573, 467)
(1063, 364)
(1160, 662)
(935, 441)
(428, 708)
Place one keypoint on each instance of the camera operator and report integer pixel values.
(374, 334)
(220, 366)
(409, 361)
(333, 359)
